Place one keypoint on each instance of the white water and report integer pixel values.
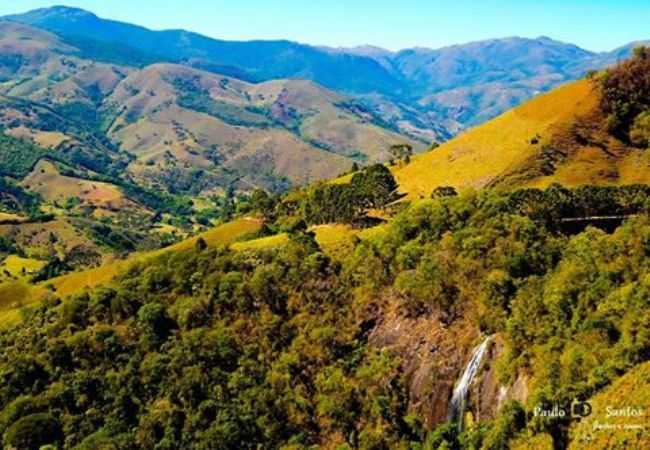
(459, 397)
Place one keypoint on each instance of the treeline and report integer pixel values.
(556, 203)
(372, 187)
(17, 156)
(15, 199)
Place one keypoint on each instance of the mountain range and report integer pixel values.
(440, 301)
(430, 94)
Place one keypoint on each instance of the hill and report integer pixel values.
(198, 128)
(429, 94)
(302, 323)
(249, 134)
(559, 137)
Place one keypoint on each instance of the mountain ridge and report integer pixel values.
(418, 90)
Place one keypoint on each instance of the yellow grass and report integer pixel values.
(46, 180)
(15, 265)
(479, 156)
(15, 294)
(263, 243)
(336, 240)
(35, 237)
(631, 390)
(4, 217)
(45, 139)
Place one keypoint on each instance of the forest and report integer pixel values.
(212, 348)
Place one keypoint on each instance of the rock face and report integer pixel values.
(434, 357)
(487, 394)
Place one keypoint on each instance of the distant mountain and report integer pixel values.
(465, 85)
(185, 130)
(262, 60)
(430, 94)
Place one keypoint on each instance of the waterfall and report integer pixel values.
(459, 397)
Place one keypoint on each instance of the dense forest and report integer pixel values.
(212, 348)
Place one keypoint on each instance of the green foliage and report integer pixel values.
(511, 420)
(158, 201)
(626, 92)
(640, 131)
(444, 191)
(17, 157)
(265, 348)
(33, 431)
(54, 267)
(198, 99)
(401, 152)
(373, 187)
(14, 198)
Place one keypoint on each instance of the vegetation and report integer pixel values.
(626, 96)
(17, 157)
(198, 99)
(14, 198)
(210, 348)
(372, 187)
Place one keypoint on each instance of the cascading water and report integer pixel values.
(459, 397)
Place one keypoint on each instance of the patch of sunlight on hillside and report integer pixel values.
(478, 156)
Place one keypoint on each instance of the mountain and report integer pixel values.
(261, 60)
(449, 320)
(187, 126)
(429, 94)
(99, 159)
(465, 85)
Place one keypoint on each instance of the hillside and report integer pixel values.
(198, 128)
(559, 137)
(426, 93)
(152, 296)
(172, 116)
(360, 348)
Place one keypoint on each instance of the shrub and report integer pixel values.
(640, 132)
(626, 92)
(33, 432)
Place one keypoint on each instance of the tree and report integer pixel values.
(201, 244)
(444, 191)
(626, 92)
(261, 201)
(640, 132)
(401, 151)
(155, 323)
(33, 432)
(375, 187)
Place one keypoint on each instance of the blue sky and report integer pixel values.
(592, 24)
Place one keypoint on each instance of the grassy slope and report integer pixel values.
(310, 136)
(17, 294)
(335, 240)
(633, 390)
(504, 146)
(46, 180)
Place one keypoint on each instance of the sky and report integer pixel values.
(596, 25)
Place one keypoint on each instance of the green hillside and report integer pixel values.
(342, 314)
